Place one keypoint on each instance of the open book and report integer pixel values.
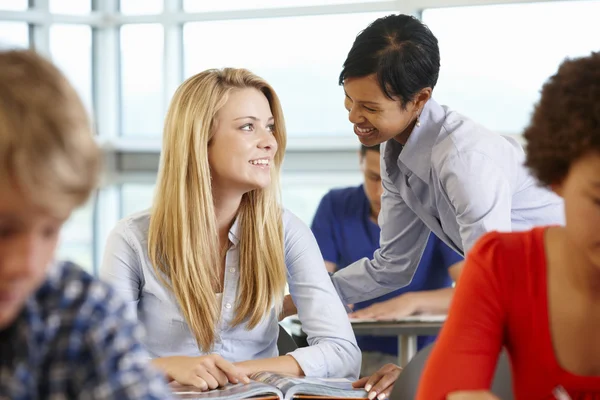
(277, 386)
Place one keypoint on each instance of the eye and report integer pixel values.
(50, 232)
(6, 232)
(369, 109)
(271, 128)
(247, 127)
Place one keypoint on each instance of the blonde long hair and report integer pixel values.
(183, 239)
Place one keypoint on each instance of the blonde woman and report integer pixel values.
(205, 269)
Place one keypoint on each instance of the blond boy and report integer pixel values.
(63, 334)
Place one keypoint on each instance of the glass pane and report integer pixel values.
(71, 50)
(14, 5)
(70, 6)
(203, 5)
(76, 238)
(141, 6)
(302, 64)
(141, 79)
(136, 197)
(13, 35)
(302, 193)
(494, 74)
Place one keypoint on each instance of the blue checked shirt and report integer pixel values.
(73, 340)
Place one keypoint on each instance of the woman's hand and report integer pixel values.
(398, 307)
(472, 395)
(204, 372)
(381, 383)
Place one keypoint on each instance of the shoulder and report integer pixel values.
(296, 234)
(133, 228)
(465, 140)
(75, 299)
(507, 255)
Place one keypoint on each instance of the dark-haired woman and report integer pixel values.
(441, 171)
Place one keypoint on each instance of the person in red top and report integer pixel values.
(536, 293)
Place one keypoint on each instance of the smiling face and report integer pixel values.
(376, 117)
(243, 146)
(581, 192)
(28, 237)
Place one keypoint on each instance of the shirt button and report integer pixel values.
(227, 305)
(232, 270)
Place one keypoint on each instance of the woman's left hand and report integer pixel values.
(381, 383)
(395, 308)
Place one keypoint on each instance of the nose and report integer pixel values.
(267, 141)
(379, 190)
(354, 115)
(20, 259)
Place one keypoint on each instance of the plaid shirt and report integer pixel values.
(73, 339)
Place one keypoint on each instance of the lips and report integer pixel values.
(363, 132)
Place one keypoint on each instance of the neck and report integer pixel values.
(402, 137)
(374, 214)
(578, 270)
(226, 209)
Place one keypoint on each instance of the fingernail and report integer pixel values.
(381, 396)
(368, 387)
(372, 395)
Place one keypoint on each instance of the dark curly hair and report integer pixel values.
(566, 121)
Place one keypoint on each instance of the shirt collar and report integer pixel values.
(416, 153)
(234, 231)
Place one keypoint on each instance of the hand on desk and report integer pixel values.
(204, 372)
(381, 383)
(395, 308)
(472, 395)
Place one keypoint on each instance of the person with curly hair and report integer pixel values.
(536, 293)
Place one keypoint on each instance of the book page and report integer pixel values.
(292, 385)
(228, 392)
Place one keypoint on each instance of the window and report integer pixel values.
(495, 60)
(136, 197)
(71, 50)
(141, 6)
(141, 79)
(76, 238)
(70, 6)
(202, 5)
(301, 64)
(13, 5)
(302, 193)
(13, 35)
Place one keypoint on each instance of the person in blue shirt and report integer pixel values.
(345, 226)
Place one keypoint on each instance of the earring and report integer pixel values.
(418, 123)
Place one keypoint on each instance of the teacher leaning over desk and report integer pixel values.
(441, 171)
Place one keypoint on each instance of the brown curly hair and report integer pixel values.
(566, 121)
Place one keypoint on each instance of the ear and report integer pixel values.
(421, 98)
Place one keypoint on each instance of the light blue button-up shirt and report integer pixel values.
(333, 351)
(453, 178)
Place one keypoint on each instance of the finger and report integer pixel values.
(234, 374)
(360, 383)
(197, 382)
(386, 382)
(373, 379)
(219, 375)
(364, 313)
(210, 380)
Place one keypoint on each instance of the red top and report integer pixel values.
(501, 300)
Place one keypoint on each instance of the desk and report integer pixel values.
(406, 330)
